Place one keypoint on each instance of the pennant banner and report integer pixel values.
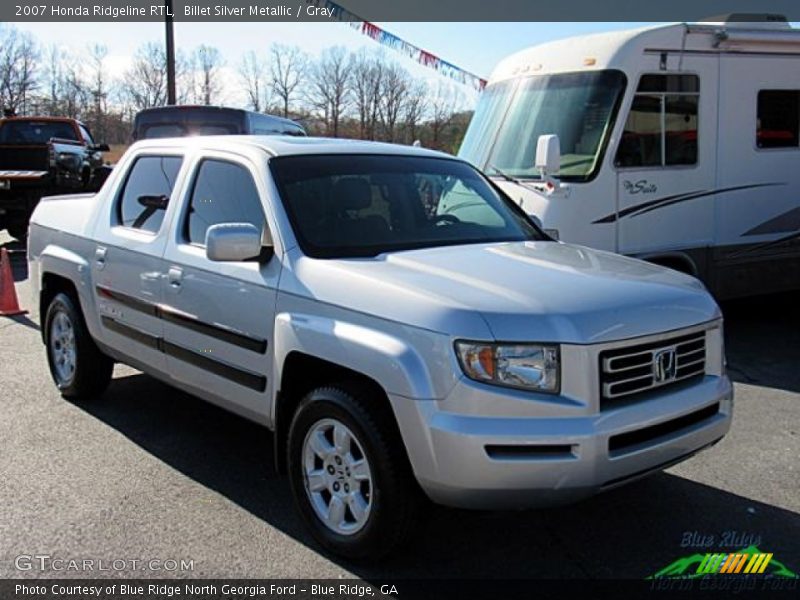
(400, 45)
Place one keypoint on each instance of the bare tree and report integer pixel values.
(329, 89)
(144, 84)
(208, 61)
(441, 108)
(367, 76)
(99, 88)
(53, 79)
(254, 75)
(75, 95)
(19, 57)
(187, 88)
(287, 70)
(414, 109)
(395, 86)
(360, 94)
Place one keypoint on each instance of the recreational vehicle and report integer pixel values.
(679, 144)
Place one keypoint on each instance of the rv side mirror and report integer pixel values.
(548, 155)
(233, 242)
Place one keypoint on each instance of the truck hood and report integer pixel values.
(519, 291)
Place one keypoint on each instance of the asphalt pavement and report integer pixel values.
(149, 473)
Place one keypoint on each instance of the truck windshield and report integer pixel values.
(511, 115)
(364, 205)
(35, 132)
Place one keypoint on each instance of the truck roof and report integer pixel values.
(209, 108)
(47, 119)
(288, 145)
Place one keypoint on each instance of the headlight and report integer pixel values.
(525, 366)
(67, 159)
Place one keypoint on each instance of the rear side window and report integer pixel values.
(147, 189)
(223, 192)
(661, 129)
(778, 124)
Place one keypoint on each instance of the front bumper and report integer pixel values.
(473, 461)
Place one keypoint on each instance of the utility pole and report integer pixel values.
(170, 33)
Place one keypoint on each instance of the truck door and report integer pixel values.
(218, 316)
(665, 161)
(126, 259)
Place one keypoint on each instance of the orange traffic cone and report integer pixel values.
(8, 293)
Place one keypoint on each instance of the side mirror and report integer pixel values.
(101, 148)
(548, 158)
(233, 242)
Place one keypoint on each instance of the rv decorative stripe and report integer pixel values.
(650, 205)
(783, 223)
(248, 379)
(170, 315)
(752, 249)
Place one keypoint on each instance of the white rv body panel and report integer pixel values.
(731, 214)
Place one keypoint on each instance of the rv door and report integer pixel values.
(758, 207)
(665, 160)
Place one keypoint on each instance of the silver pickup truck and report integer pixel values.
(400, 325)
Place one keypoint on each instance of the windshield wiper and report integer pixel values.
(512, 179)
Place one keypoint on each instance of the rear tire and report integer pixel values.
(349, 473)
(78, 367)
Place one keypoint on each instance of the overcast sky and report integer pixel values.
(476, 47)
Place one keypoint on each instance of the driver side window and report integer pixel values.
(223, 192)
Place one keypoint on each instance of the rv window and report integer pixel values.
(778, 121)
(578, 107)
(669, 84)
(661, 129)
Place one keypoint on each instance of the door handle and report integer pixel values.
(100, 256)
(174, 277)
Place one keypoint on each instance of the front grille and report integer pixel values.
(638, 369)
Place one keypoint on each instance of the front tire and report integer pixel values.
(78, 367)
(349, 474)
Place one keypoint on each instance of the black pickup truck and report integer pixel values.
(188, 119)
(44, 156)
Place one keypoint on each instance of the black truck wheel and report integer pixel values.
(349, 474)
(78, 367)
